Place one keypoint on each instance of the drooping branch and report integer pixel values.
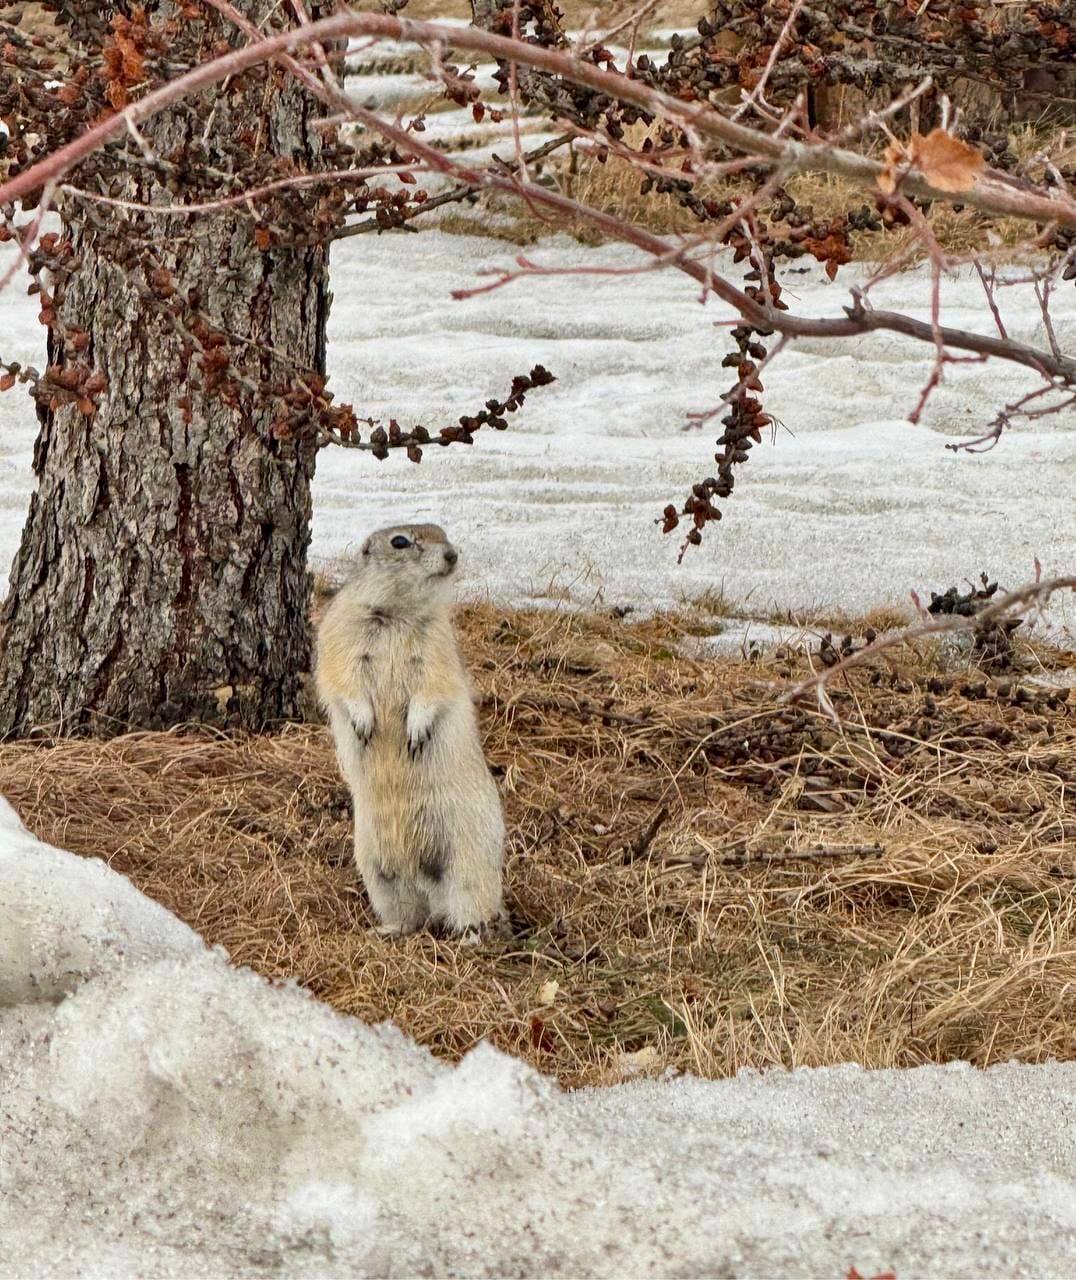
(381, 440)
(859, 318)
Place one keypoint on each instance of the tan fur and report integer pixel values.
(429, 830)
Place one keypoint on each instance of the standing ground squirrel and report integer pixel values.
(429, 830)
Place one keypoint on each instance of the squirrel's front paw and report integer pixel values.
(421, 723)
(361, 715)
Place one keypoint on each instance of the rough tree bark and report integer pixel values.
(162, 576)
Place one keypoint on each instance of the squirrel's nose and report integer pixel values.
(451, 555)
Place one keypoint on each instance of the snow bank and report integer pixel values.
(65, 919)
(171, 1115)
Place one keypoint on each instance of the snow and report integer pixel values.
(850, 508)
(163, 1113)
(65, 919)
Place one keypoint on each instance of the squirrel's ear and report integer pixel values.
(366, 547)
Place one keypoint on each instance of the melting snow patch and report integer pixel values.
(848, 509)
(163, 1113)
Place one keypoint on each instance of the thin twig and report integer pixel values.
(640, 848)
(243, 197)
(756, 94)
(745, 857)
(29, 236)
(1035, 592)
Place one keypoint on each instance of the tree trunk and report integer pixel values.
(162, 576)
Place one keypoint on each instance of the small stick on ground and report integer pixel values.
(790, 854)
(641, 847)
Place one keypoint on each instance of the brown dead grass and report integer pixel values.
(728, 940)
(614, 187)
(715, 604)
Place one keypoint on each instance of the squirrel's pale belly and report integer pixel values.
(396, 798)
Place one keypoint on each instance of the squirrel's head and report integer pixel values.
(413, 559)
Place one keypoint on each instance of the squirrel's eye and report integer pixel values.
(400, 542)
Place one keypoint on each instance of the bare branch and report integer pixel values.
(243, 197)
(1034, 593)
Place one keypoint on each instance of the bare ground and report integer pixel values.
(699, 877)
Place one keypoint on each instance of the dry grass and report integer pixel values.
(715, 604)
(614, 187)
(728, 940)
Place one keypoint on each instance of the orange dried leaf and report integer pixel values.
(947, 163)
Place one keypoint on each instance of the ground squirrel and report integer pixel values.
(429, 830)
